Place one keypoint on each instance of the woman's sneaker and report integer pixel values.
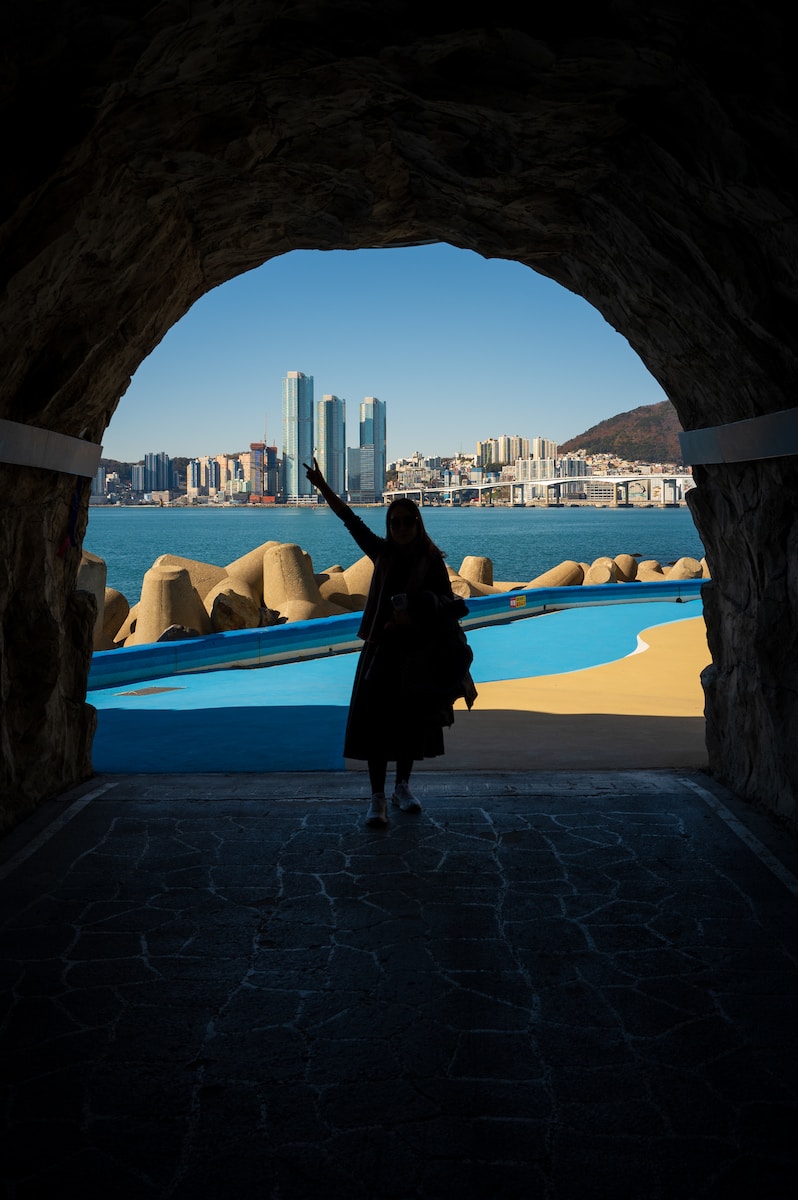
(404, 798)
(377, 814)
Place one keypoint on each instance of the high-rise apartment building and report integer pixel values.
(252, 467)
(331, 441)
(210, 475)
(157, 472)
(98, 482)
(373, 452)
(225, 471)
(573, 466)
(535, 468)
(543, 448)
(272, 468)
(194, 478)
(502, 451)
(487, 453)
(297, 435)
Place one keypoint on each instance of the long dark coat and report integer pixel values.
(388, 717)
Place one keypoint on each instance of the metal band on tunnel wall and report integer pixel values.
(28, 446)
(771, 436)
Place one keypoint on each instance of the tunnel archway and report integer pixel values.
(639, 158)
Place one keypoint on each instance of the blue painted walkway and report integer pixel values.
(291, 717)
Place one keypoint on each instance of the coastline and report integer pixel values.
(471, 504)
(521, 545)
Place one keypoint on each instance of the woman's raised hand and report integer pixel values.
(314, 474)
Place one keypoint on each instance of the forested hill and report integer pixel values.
(647, 434)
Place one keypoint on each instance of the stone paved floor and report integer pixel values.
(565, 985)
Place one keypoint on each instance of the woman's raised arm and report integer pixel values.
(339, 506)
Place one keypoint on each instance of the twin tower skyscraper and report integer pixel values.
(357, 472)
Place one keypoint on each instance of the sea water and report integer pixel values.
(521, 542)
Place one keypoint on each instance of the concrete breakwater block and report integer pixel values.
(602, 570)
(626, 565)
(332, 587)
(477, 569)
(168, 598)
(475, 577)
(91, 578)
(650, 571)
(233, 583)
(279, 579)
(290, 587)
(685, 568)
(230, 610)
(115, 612)
(565, 574)
(203, 575)
(249, 567)
(358, 581)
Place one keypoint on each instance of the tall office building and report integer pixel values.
(373, 457)
(98, 482)
(331, 441)
(297, 435)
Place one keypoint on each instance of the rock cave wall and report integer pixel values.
(639, 155)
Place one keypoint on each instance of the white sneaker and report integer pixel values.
(378, 810)
(404, 798)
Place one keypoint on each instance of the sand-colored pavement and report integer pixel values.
(645, 711)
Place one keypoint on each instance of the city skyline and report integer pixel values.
(449, 340)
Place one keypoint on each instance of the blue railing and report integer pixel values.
(338, 635)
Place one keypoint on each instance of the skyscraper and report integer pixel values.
(98, 482)
(331, 441)
(194, 478)
(272, 467)
(252, 464)
(297, 434)
(372, 450)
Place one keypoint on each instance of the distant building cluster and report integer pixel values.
(265, 475)
(521, 466)
(320, 430)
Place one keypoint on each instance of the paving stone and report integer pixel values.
(573, 986)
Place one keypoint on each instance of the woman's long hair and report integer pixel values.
(423, 539)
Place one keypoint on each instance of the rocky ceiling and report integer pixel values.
(640, 154)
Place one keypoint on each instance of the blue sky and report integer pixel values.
(459, 347)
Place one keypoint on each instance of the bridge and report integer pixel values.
(672, 487)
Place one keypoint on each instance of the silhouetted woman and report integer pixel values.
(397, 712)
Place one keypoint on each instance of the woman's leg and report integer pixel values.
(378, 808)
(401, 792)
(404, 769)
(378, 769)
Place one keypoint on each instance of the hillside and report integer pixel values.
(647, 434)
